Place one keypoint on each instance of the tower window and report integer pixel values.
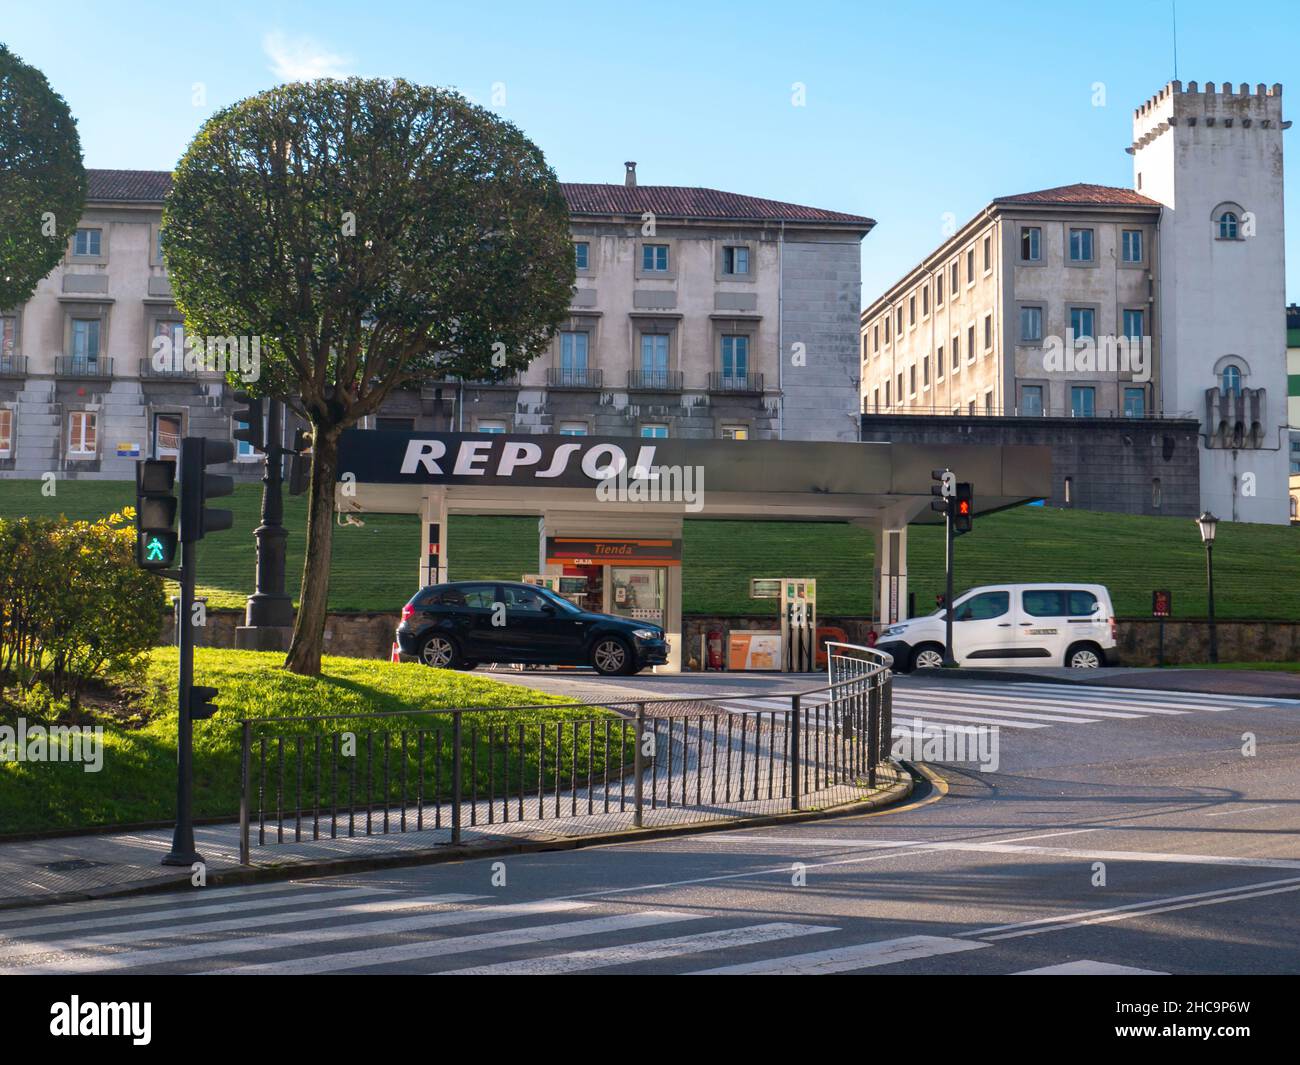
(1228, 229)
(1232, 381)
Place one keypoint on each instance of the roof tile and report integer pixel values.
(1083, 195)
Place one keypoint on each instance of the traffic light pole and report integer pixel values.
(183, 852)
(948, 659)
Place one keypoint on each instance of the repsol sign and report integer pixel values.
(516, 460)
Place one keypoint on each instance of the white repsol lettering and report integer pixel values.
(515, 455)
(471, 452)
(559, 460)
(422, 453)
(617, 462)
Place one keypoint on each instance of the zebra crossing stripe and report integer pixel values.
(171, 929)
(1206, 700)
(1087, 967)
(651, 950)
(1008, 702)
(413, 952)
(1146, 706)
(945, 706)
(172, 913)
(901, 714)
(70, 962)
(847, 959)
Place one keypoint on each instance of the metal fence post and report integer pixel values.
(244, 783)
(887, 715)
(794, 752)
(455, 775)
(875, 706)
(638, 766)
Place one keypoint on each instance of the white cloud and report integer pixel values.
(302, 59)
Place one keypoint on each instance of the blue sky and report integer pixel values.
(913, 110)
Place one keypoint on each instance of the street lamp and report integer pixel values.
(1207, 523)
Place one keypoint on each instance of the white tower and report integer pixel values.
(1214, 160)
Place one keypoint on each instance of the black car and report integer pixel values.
(459, 625)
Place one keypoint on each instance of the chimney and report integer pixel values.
(629, 178)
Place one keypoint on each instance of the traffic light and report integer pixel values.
(155, 514)
(944, 489)
(963, 514)
(198, 486)
(300, 462)
(252, 415)
(201, 704)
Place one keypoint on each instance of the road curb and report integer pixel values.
(893, 795)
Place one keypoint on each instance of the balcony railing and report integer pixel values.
(571, 377)
(654, 380)
(148, 369)
(736, 383)
(13, 366)
(74, 366)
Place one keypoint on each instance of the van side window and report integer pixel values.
(1083, 604)
(983, 606)
(1044, 603)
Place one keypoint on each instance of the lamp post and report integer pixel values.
(1207, 523)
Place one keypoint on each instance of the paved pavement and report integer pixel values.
(1150, 843)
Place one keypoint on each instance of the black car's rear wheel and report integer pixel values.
(610, 656)
(440, 652)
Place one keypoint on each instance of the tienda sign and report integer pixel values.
(588, 552)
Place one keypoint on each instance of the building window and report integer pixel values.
(938, 363)
(1135, 402)
(988, 402)
(970, 343)
(886, 330)
(8, 336)
(735, 432)
(875, 337)
(1031, 324)
(925, 372)
(970, 407)
(85, 340)
(1031, 400)
(81, 434)
(1081, 245)
(735, 261)
(938, 292)
(654, 258)
(954, 278)
(988, 332)
(1228, 229)
(925, 301)
(911, 380)
(735, 358)
(86, 242)
(888, 401)
(900, 386)
(1157, 493)
(656, 430)
(988, 254)
(875, 399)
(1131, 245)
(573, 357)
(956, 351)
(1031, 244)
(573, 428)
(900, 321)
(1069, 491)
(491, 426)
(911, 310)
(581, 254)
(1083, 401)
(654, 358)
(970, 266)
(6, 432)
(245, 452)
(1081, 321)
(1134, 324)
(1231, 381)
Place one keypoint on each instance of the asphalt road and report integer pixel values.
(1135, 834)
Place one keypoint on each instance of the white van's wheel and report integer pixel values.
(927, 656)
(1083, 656)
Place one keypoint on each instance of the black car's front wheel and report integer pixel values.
(440, 652)
(610, 657)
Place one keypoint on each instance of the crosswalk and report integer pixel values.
(1028, 705)
(375, 929)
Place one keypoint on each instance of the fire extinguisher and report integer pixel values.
(714, 641)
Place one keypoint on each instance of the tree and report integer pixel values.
(371, 233)
(42, 179)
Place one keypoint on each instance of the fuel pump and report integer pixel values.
(798, 624)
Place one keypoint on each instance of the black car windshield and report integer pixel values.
(558, 600)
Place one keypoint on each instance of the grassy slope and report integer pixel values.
(137, 781)
(1257, 567)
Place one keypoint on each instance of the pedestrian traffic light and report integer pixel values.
(963, 514)
(201, 704)
(944, 489)
(250, 420)
(155, 514)
(300, 462)
(198, 486)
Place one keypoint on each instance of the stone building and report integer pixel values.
(685, 300)
(1092, 303)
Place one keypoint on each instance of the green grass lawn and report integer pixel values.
(137, 781)
(1257, 567)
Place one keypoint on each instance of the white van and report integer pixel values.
(1012, 625)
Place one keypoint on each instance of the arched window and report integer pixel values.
(1232, 380)
(1228, 226)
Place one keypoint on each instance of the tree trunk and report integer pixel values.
(308, 641)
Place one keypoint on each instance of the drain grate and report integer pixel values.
(71, 865)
